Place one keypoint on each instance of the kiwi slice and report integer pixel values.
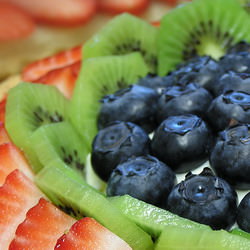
(245, 4)
(60, 142)
(81, 200)
(239, 232)
(151, 219)
(30, 106)
(201, 27)
(173, 238)
(122, 35)
(98, 77)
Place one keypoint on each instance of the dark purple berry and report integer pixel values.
(229, 108)
(155, 82)
(203, 71)
(145, 178)
(241, 46)
(206, 199)
(135, 104)
(230, 156)
(115, 144)
(183, 99)
(237, 62)
(182, 142)
(243, 216)
(233, 81)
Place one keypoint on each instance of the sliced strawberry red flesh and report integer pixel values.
(14, 23)
(64, 78)
(43, 225)
(39, 68)
(117, 7)
(88, 234)
(59, 12)
(17, 195)
(12, 158)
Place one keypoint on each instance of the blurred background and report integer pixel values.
(34, 29)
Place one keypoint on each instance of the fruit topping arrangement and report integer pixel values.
(117, 142)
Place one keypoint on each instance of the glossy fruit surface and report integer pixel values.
(155, 82)
(182, 142)
(206, 199)
(202, 70)
(243, 216)
(230, 156)
(237, 62)
(143, 177)
(115, 144)
(135, 104)
(229, 108)
(233, 81)
(183, 99)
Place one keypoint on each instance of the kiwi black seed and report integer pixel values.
(59, 142)
(30, 106)
(101, 76)
(201, 27)
(122, 35)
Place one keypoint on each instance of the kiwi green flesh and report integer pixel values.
(122, 35)
(81, 200)
(245, 4)
(92, 178)
(60, 141)
(30, 106)
(200, 28)
(151, 219)
(241, 233)
(98, 77)
(173, 238)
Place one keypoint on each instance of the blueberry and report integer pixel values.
(206, 199)
(116, 143)
(145, 178)
(183, 99)
(243, 216)
(239, 47)
(203, 71)
(229, 108)
(135, 104)
(230, 156)
(155, 82)
(233, 81)
(182, 142)
(237, 62)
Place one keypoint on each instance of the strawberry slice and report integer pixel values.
(156, 23)
(12, 158)
(88, 234)
(14, 23)
(2, 110)
(59, 12)
(116, 7)
(17, 196)
(36, 70)
(4, 137)
(64, 79)
(43, 225)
